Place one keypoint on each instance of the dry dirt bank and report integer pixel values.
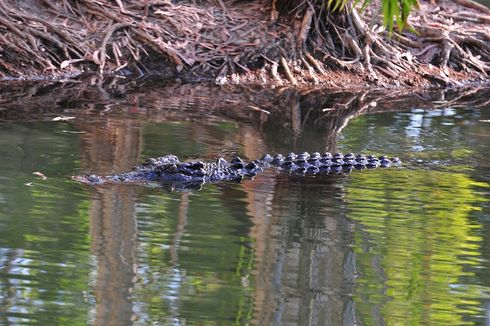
(282, 42)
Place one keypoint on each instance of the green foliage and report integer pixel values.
(335, 5)
(394, 11)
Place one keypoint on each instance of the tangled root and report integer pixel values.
(285, 42)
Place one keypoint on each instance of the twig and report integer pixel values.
(108, 35)
(288, 72)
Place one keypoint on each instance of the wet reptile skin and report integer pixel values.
(191, 174)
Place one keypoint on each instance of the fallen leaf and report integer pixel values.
(72, 132)
(64, 64)
(62, 118)
(258, 109)
(40, 174)
(95, 57)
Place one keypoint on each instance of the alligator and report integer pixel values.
(168, 170)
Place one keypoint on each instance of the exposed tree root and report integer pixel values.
(285, 42)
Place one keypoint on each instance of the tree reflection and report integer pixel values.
(376, 247)
(414, 236)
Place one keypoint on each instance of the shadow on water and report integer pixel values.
(376, 247)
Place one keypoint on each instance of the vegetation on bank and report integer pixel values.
(269, 42)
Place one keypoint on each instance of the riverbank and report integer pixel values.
(240, 42)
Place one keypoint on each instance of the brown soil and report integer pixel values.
(241, 42)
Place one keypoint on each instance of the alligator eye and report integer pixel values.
(236, 159)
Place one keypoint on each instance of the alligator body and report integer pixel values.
(168, 170)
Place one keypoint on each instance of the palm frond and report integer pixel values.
(394, 11)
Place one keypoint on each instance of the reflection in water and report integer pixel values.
(113, 222)
(304, 264)
(43, 230)
(415, 246)
(113, 232)
(374, 247)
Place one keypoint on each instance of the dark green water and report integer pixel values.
(382, 247)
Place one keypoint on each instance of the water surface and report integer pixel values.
(392, 246)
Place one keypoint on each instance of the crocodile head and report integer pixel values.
(91, 179)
